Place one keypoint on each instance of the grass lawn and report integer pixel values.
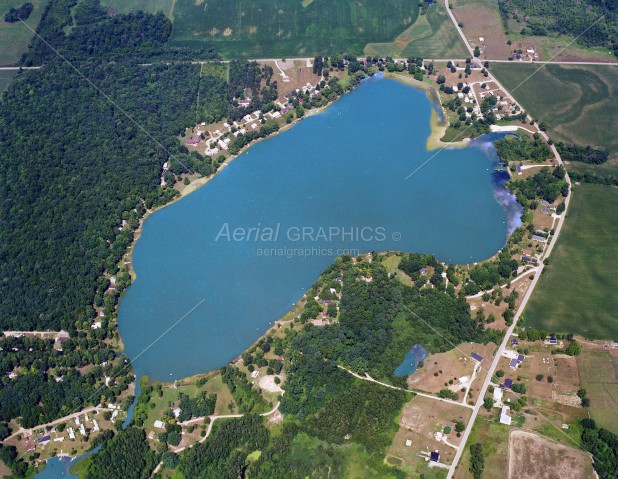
(599, 373)
(5, 78)
(15, 37)
(495, 440)
(577, 292)
(79, 468)
(578, 103)
(279, 28)
(433, 35)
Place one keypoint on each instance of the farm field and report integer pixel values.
(281, 28)
(577, 291)
(599, 372)
(549, 461)
(15, 37)
(433, 35)
(578, 103)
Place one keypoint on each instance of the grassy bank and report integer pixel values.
(577, 291)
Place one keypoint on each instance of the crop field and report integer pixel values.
(433, 35)
(577, 291)
(15, 37)
(289, 28)
(578, 103)
(599, 373)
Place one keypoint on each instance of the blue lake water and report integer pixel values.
(208, 286)
(410, 362)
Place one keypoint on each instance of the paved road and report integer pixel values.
(520, 310)
(19, 68)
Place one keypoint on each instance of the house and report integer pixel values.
(96, 425)
(255, 374)
(222, 144)
(82, 430)
(464, 380)
(71, 433)
(553, 341)
(526, 252)
(44, 440)
(513, 364)
(159, 424)
(434, 456)
(540, 239)
(505, 415)
(520, 358)
(498, 395)
(514, 342)
(477, 357)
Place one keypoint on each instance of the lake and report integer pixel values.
(216, 268)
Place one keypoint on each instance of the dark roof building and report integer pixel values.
(477, 357)
(508, 383)
(434, 456)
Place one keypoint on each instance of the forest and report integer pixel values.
(547, 185)
(583, 154)
(522, 148)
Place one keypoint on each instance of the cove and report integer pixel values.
(204, 293)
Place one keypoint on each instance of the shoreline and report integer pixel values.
(438, 129)
(433, 143)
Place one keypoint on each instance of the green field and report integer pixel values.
(280, 28)
(578, 103)
(433, 35)
(577, 292)
(15, 37)
(5, 78)
(599, 373)
(150, 6)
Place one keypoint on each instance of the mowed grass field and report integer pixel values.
(578, 102)
(599, 372)
(15, 37)
(280, 28)
(149, 6)
(577, 292)
(433, 35)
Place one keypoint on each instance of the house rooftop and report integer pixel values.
(477, 357)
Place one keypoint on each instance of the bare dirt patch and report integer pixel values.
(268, 384)
(549, 460)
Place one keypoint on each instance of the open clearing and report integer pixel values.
(281, 28)
(420, 420)
(494, 438)
(15, 37)
(433, 35)
(549, 461)
(578, 102)
(598, 369)
(481, 19)
(439, 369)
(577, 292)
(149, 6)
